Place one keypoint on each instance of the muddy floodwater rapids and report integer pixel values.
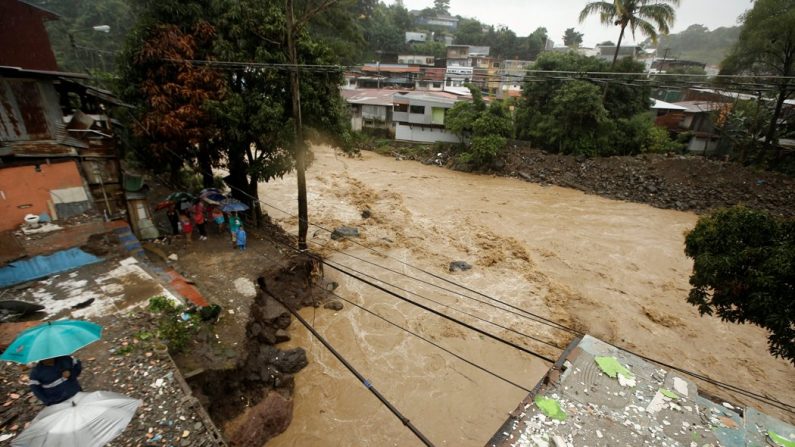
(613, 269)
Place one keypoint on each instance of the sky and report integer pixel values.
(524, 16)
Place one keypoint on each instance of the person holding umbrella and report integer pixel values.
(54, 380)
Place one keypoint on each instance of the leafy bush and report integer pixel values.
(744, 271)
(172, 328)
(483, 150)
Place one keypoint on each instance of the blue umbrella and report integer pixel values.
(230, 205)
(209, 190)
(51, 339)
(213, 198)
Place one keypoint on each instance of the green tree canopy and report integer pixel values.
(550, 116)
(744, 272)
(767, 46)
(697, 43)
(536, 42)
(650, 17)
(571, 38)
(485, 129)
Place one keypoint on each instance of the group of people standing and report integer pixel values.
(195, 217)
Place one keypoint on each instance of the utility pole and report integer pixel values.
(300, 150)
(293, 29)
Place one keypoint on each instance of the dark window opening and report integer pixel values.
(417, 109)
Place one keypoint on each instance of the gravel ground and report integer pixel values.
(169, 416)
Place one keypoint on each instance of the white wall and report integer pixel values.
(424, 134)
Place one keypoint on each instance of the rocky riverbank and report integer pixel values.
(681, 182)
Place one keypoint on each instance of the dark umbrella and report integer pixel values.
(230, 205)
(209, 190)
(213, 198)
(173, 199)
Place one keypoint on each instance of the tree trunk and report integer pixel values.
(205, 165)
(618, 45)
(175, 165)
(237, 179)
(300, 150)
(771, 131)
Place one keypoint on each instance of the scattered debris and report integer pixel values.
(459, 266)
(343, 232)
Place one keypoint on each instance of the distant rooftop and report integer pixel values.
(599, 395)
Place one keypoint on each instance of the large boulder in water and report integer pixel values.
(459, 266)
(260, 423)
(290, 361)
(343, 232)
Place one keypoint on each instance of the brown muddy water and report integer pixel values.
(613, 269)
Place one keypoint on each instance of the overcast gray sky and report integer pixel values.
(524, 16)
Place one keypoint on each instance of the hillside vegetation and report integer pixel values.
(698, 43)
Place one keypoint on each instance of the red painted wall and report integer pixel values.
(23, 38)
(23, 185)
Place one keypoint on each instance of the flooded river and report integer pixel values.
(613, 269)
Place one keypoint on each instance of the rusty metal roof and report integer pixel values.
(7, 71)
(44, 149)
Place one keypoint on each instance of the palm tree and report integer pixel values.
(637, 14)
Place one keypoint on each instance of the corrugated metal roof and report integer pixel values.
(8, 71)
(662, 105)
(700, 106)
(389, 68)
(375, 97)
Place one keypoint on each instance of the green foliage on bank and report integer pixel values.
(744, 272)
(586, 116)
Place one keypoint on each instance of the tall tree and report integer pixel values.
(767, 46)
(169, 92)
(441, 6)
(571, 38)
(651, 17)
(536, 42)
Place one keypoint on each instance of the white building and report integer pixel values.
(420, 117)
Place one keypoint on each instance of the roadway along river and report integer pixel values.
(613, 269)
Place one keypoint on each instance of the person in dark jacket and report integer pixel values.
(55, 380)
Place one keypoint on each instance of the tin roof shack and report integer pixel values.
(371, 110)
(388, 75)
(24, 37)
(50, 118)
(699, 119)
(599, 395)
(38, 157)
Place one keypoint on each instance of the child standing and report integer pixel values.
(187, 227)
(234, 225)
(198, 218)
(218, 218)
(241, 238)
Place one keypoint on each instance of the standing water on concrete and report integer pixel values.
(613, 269)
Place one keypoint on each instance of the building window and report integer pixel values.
(401, 108)
(437, 85)
(437, 115)
(417, 109)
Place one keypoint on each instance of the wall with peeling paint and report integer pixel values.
(26, 190)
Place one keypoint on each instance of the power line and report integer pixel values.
(367, 384)
(769, 401)
(452, 308)
(431, 342)
(437, 313)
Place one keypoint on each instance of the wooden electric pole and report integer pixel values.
(293, 30)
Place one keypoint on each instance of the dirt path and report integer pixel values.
(613, 269)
